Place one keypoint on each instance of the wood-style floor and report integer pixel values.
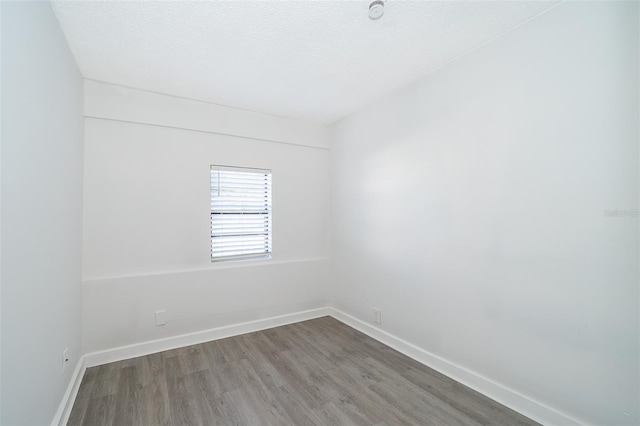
(317, 372)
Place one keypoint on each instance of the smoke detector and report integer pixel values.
(376, 9)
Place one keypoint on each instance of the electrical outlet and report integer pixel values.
(160, 318)
(65, 359)
(377, 316)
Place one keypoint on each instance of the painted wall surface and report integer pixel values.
(41, 212)
(146, 232)
(124, 103)
(120, 311)
(0, 211)
(473, 209)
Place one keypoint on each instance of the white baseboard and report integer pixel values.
(533, 409)
(145, 348)
(522, 404)
(64, 409)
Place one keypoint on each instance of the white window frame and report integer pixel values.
(241, 220)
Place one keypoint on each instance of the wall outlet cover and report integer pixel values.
(377, 316)
(160, 318)
(65, 359)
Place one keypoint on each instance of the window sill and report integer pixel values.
(218, 261)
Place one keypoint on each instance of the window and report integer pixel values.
(240, 213)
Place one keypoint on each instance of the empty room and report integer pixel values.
(358, 212)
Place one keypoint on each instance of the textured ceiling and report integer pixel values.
(311, 60)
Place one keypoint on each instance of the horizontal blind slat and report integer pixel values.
(249, 231)
(240, 213)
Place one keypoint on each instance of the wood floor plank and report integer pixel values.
(318, 372)
(277, 339)
(231, 349)
(298, 380)
(213, 353)
(438, 408)
(346, 401)
(128, 397)
(267, 372)
(84, 396)
(365, 397)
(239, 410)
(182, 406)
(100, 411)
(312, 353)
(423, 407)
(207, 403)
(464, 399)
(226, 377)
(195, 359)
(330, 414)
(297, 410)
(261, 397)
(155, 406)
(266, 345)
(106, 381)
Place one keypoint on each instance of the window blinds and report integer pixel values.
(240, 213)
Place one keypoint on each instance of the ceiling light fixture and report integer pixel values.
(376, 9)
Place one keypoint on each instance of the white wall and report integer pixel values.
(469, 207)
(105, 100)
(41, 212)
(0, 211)
(146, 221)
